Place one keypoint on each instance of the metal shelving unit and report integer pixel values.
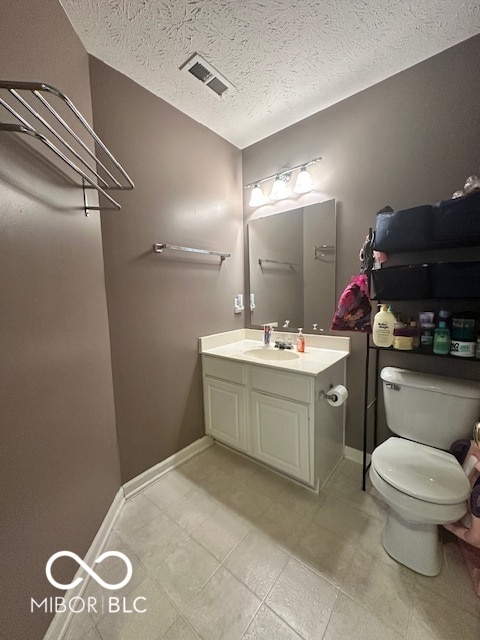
(373, 403)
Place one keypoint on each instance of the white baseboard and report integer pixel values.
(60, 622)
(140, 482)
(59, 625)
(355, 454)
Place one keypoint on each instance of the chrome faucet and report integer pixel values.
(283, 344)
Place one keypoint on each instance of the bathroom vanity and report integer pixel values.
(270, 404)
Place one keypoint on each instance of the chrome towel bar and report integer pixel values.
(159, 247)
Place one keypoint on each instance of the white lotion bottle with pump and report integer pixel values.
(383, 325)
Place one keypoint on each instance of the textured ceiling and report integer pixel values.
(286, 58)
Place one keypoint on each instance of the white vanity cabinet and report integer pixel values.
(277, 417)
(225, 400)
(281, 434)
(281, 412)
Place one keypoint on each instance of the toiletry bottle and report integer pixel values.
(267, 332)
(300, 341)
(415, 333)
(399, 323)
(445, 315)
(441, 339)
(463, 335)
(383, 325)
(403, 338)
(398, 332)
(426, 335)
(425, 317)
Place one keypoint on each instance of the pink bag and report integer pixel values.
(354, 310)
(468, 529)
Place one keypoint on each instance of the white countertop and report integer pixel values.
(321, 352)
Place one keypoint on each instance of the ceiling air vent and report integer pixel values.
(203, 71)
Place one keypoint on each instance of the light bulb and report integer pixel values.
(304, 181)
(279, 188)
(257, 197)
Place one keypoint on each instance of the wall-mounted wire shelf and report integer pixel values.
(159, 247)
(35, 116)
(262, 261)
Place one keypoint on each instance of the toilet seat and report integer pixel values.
(413, 510)
(421, 472)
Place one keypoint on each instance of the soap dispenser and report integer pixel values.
(300, 341)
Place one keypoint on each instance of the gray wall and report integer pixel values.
(59, 468)
(188, 192)
(409, 140)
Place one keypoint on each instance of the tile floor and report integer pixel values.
(223, 549)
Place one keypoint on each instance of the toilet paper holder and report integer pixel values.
(328, 395)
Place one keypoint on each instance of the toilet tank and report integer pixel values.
(433, 410)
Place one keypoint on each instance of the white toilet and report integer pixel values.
(423, 485)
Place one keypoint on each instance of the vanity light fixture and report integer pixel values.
(279, 187)
(304, 182)
(257, 197)
(280, 190)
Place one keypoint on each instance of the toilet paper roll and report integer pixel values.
(337, 395)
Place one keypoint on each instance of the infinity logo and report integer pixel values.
(91, 573)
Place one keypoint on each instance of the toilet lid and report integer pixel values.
(422, 472)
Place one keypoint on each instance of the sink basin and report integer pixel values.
(272, 354)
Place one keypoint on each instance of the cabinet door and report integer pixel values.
(225, 412)
(281, 435)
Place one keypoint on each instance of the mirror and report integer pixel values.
(292, 267)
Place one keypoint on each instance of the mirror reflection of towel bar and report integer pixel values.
(261, 261)
(322, 250)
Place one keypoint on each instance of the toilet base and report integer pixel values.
(417, 546)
